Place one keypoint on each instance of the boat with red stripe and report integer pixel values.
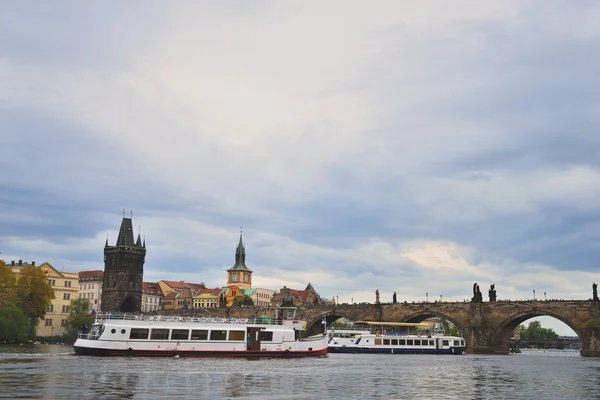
(139, 335)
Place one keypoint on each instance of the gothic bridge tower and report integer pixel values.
(123, 271)
(239, 275)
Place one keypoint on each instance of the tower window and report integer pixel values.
(246, 278)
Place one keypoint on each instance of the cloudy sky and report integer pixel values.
(395, 146)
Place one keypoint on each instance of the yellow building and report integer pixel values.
(65, 285)
(207, 298)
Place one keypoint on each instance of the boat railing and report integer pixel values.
(88, 336)
(102, 317)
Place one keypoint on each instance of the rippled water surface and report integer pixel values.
(54, 372)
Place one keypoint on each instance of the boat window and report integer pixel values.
(236, 335)
(445, 343)
(402, 342)
(394, 342)
(265, 336)
(139, 333)
(386, 342)
(417, 342)
(431, 343)
(199, 334)
(218, 335)
(409, 342)
(377, 341)
(159, 334)
(180, 334)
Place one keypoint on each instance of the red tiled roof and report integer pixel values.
(90, 275)
(215, 291)
(151, 288)
(171, 296)
(299, 293)
(182, 285)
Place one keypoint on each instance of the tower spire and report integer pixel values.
(126, 237)
(240, 253)
(138, 242)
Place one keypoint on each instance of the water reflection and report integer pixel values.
(116, 385)
(57, 374)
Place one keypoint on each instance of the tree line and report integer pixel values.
(24, 301)
(535, 331)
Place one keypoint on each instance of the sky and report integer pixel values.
(409, 148)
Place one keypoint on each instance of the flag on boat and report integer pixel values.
(92, 313)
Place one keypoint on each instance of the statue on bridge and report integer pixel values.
(595, 291)
(377, 296)
(492, 293)
(394, 299)
(477, 296)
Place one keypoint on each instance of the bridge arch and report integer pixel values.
(314, 326)
(420, 316)
(507, 327)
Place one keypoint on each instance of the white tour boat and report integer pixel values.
(179, 336)
(393, 338)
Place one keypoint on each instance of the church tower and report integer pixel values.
(123, 271)
(239, 275)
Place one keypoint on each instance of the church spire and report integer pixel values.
(240, 253)
(240, 256)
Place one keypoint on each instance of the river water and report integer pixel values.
(55, 372)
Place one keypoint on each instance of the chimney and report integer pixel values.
(33, 263)
(20, 262)
(12, 263)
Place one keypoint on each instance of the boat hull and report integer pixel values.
(104, 352)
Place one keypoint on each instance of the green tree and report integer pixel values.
(449, 328)
(78, 316)
(243, 300)
(8, 284)
(14, 325)
(34, 294)
(535, 331)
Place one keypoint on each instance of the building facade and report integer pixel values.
(151, 297)
(65, 286)
(207, 298)
(262, 297)
(294, 297)
(90, 288)
(123, 271)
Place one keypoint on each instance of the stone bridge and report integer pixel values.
(487, 326)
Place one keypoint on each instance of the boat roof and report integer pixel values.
(408, 324)
(192, 325)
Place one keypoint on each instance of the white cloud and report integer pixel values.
(431, 122)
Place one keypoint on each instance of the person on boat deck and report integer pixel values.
(378, 333)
